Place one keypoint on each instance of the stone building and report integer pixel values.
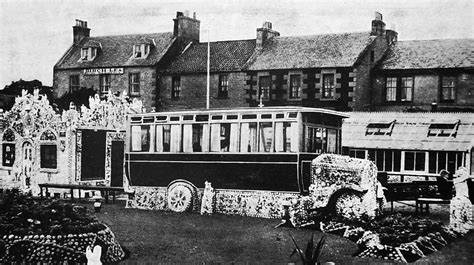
(118, 63)
(329, 70)
(183, 83)
(425, 75)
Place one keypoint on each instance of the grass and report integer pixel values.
(163, 237)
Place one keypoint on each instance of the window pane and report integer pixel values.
(391, 89)
(175, 133)
(432, 162)
(264, 87)
(388, 160)
(397, 159)
(8, 155)
(136, 141)
(379, 159)
(407, 88)
(452, 162)
(295, 86)
(134, 86)
(331, 141)
(48, 156)
(188, 138)
(176, 87)
(448, 86)
(420, 161)
(223, 86)
(442, 161)
(409, 161)
(248, 137)
(328, 86)
(266, 137)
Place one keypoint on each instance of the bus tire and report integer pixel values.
(349, 205)
(180, 197)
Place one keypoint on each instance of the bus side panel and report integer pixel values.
(277, 176)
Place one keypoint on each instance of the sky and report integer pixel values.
(35, 34)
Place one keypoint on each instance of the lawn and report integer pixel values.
(156, 236)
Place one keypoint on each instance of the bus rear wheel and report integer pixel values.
(180, 197)
(349, 205)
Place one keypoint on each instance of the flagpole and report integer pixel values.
(208, 66)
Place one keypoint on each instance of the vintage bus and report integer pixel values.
(170, 155)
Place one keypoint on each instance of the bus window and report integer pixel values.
(315, 139)
(175, 141)
(266, 136)
(286, 137)
(141, 138)
(187, 137)
(331, 141)
(163, 137)
(248, 137)
(200, 138)
(221, 137)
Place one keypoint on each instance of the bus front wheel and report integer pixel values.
(180, 197)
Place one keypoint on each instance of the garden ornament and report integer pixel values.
(97, 202)
(93, 256)
(460, 207)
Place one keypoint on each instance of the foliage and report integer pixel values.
(312, 253)
(22, 215)
(79, 97)
(16, 88)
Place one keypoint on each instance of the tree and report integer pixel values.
(9, 92)
(79, 97)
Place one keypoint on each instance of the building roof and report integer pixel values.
(426, 54)
(117, 51)
(316, 51)
(224, 56)
(410, 131)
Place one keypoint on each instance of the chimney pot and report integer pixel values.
(186, 27)
(267, 25)
(80, 31)
(378, 16)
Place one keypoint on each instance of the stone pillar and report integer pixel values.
(207, 205)
(461, 208)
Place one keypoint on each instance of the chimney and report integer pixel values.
(80, 31)
(265, 33)
(186, 27)
(378, 26)
(391, 35)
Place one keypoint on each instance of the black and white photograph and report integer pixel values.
(236, 132)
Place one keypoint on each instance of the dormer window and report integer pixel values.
(141, 51)
(443, 129)
(380, 128)
(88, 53)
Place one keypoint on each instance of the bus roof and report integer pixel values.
(250, 110)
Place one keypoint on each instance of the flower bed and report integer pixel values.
(34, 231)
(396, 236)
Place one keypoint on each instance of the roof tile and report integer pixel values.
(316, 51)
(117, 51)
(427, 54)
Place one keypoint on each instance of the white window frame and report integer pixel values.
(402, 164)
(104, 87)
(88, 54)
(134, 85)
(141, 51)
(391, 91)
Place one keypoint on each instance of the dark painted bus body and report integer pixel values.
(242, 149)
